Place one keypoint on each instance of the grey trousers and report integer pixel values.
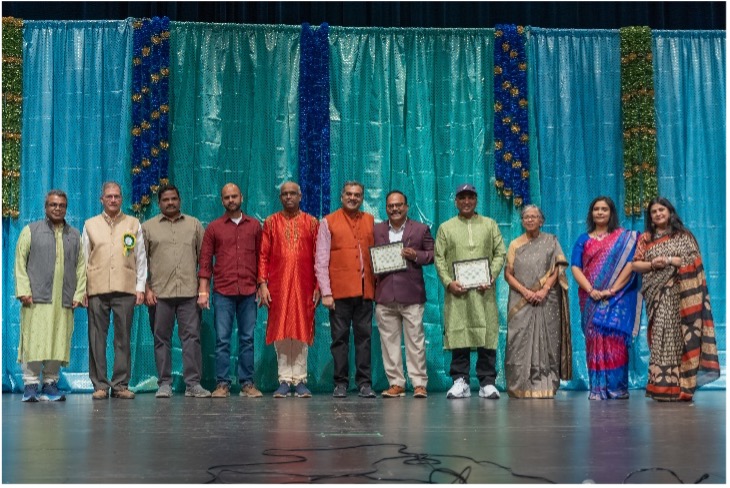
(101, 307)
(162, 320)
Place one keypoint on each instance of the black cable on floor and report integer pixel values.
(431, 461)
(699, 480)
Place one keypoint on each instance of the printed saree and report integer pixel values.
(681, 334)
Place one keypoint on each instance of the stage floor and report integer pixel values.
(186, 440)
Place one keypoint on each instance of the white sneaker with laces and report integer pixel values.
(459, 390)
(489, 391)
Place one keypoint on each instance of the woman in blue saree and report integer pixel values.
(608, 296)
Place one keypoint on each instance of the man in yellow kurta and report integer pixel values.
(288, 287)
(470, 315)
(50, 281)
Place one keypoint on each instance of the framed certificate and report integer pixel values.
(387, 258)
(472, 273)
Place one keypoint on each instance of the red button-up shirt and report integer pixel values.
(236, 251)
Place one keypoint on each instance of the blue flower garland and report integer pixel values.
(314, 120)
(511, 138)
(150, 108)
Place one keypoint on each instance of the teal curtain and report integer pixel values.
(234, 118)
(76, 135)
(411, 109)
(576, 103)
(689, 81)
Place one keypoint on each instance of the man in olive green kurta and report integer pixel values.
(50, 281)
(471, 319)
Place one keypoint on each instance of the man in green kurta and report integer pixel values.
(50, 281)
(471, 319)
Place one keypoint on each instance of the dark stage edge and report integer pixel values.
(177, 440)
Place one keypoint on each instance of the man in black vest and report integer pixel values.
(50, 281)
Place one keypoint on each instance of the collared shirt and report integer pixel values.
(173, 248)
(236, 250)
(396, 235)
(140, 254)
(322, 258)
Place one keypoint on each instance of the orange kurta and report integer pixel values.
(286, 262)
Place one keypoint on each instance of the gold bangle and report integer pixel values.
(202, 293)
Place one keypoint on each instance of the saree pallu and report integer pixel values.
(608, 324)
(681, 332)
(539, 351)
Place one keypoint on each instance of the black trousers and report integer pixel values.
(359, 313)
(486, 365)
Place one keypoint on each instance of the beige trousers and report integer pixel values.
(392, 319)
(32, 372)
(291, 356)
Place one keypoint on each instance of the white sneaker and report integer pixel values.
(489, 391)
(459, 390)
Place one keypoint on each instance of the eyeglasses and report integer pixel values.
(56, 205)
(531, 217)
(393, 206)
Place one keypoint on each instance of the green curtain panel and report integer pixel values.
(411, 109)
(233, 118)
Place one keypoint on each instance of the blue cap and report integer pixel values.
(465, 187)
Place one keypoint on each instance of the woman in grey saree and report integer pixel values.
(539, 352)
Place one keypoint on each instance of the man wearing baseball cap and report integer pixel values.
(470, 313)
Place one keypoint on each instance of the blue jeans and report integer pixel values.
(244, 308)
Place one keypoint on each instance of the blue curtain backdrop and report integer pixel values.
(76, 119)
(576, 100)
(409, 109)
(690, 87)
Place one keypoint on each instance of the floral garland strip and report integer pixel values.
(639, 128)
(150, 107)
(314, 120)
(511, 149)
(12, 113)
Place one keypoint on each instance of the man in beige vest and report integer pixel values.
(116, 271)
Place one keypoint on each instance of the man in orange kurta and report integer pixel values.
(288, 287)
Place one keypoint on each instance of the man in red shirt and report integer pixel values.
(234, 239)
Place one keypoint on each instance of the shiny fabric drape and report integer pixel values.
(411, 110)
(234, 118)
(690, 86)
(76, 120)
(578, 137)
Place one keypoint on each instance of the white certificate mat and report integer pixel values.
(387, 258)
(472, 273)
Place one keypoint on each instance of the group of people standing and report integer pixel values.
(295, 261)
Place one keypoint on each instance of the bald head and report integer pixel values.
(290, 195)
(229, 187)
(231, 199)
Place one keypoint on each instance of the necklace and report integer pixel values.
(599, 235)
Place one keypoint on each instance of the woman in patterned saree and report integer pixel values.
(539, 352)
(601, 264)
(681, 334)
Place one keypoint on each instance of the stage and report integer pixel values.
(186, 440)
